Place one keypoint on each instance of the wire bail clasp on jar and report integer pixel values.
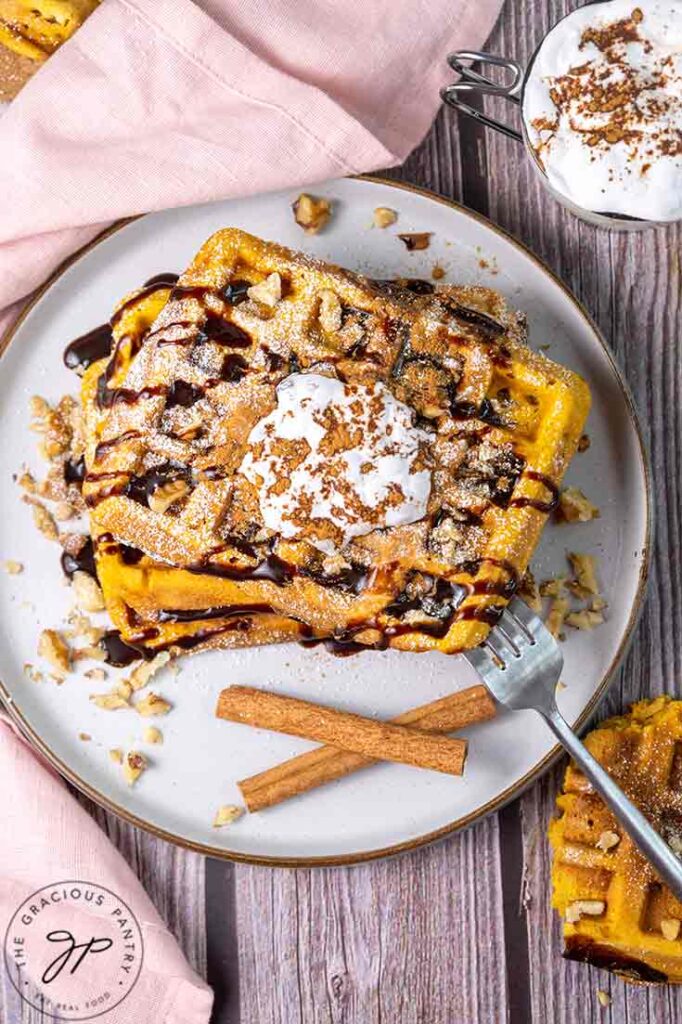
(472, 82)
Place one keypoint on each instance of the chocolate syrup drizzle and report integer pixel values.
(537, 503)
(443, 605)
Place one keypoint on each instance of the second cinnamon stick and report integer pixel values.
(367, 736)
(326, 764)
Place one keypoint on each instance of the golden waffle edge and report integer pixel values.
(507, 419)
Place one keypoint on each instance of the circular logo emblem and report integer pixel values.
(73, 950)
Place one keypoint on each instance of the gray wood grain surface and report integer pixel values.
(461, 932)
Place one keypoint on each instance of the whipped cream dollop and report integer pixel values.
(602, 107)
(336, 460)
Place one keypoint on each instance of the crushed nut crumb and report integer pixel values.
(555, 587)
(556, 615)
(574, 507)
(584, 908)
(87, 593)
(116, 755)
(84, 736)
(585, 571)
(63, 511)
(437, 272)
(161, 499)
(585, 618)
(226, 815)
(584, 443)
(603, 997)
(141, 675)
(110, 701)
(12, 568)
(311, 212)
(96, 674)
(33, 673)
(44, 522)
(133, 766)
(152, 704)
(384, 217)
(55, 650)
(330, 315)
(607, 840)
(529, 591)
(152, 735)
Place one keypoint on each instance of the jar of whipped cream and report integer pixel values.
(601, 109)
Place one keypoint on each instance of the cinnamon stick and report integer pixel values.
(374, 739)
(325, 764)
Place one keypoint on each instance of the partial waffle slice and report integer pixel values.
(617, 915)
(181, 436)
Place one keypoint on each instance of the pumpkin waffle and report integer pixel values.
(185, 421)
(617, 915)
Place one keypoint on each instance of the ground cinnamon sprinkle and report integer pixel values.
(607, 100)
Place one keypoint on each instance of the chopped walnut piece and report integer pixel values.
(584, 569)
(529, 592)
(133, 766)
(416, 240)
(330, 311)
(584, 443)
(89, 653)
(166, 495)
(87, 593)
(437, 272)
(54, 649)
(226, 815)
(267, 292)
(311, 212)
(384, 217)
(85, 736)
(141, 675)
(555, 587)
(152, 735)
(12, 568)
(33, 673)
(560, 686)
(110, 701)
(584, 908)
(124, 689)
(607, 840)
(556, 615)
(97, 675)
(63, 511)
(152, 704)
(670, 927)
(82, 627)
(27, 482)
(44, 521)
(116, 755)
(603, 997)
(574, 507)
(585, 618)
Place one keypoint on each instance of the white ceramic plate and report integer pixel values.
(195, 771)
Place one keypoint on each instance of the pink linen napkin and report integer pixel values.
(162, 103)
(46, 839)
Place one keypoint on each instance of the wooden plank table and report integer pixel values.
(461, 932)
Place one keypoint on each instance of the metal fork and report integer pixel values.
(520, 662)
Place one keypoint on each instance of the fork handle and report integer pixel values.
(652, 845)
